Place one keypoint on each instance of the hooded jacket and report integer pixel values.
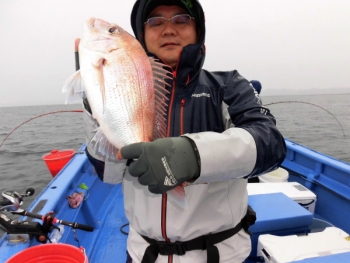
(236, 139)
(214, 101)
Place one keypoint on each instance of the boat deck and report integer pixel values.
(103, 207)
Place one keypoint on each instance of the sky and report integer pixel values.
(285, 44)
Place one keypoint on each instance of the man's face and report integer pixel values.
(166, 41)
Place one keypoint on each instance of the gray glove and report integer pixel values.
(164, 163)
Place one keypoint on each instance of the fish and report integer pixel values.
(75, 199)
(126, 90)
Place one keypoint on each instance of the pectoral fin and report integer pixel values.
(102, 147)
(75, 88)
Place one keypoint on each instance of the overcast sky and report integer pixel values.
(286, 44)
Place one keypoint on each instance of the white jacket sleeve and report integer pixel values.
(224, 156)
(250, 144)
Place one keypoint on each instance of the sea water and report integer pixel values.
(324, 127)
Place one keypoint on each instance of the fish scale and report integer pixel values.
(131, 101)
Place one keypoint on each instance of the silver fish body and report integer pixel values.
(118, 80)
(125, 88)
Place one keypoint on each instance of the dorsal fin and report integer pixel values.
(160, 77)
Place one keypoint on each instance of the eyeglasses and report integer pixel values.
(176, 20)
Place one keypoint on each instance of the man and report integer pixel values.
(219, 135)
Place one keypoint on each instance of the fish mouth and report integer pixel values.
(99, 39)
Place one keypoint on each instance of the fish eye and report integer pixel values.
(113, 29)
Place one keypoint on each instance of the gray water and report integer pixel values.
(323, 126)
(21, 165)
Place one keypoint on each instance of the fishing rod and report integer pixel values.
(77, 67)
(76, 53)
(38, 116)
(303, 102)
(12, 202)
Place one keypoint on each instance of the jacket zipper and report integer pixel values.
(182, 109)
(164, 199)
(164, 196)
(164, 209)
(164, 203)
(171, 104)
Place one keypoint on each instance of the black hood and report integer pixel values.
(137, 16)
(192, 56)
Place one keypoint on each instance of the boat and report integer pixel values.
(300, 207)
(101, 213)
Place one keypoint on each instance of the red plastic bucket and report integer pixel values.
(56, 160)
(50, 253)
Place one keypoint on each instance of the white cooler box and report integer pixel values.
(317, 247)
(293, 190)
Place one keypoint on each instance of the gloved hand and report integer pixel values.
(164, 163)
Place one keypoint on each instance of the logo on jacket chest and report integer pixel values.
(198, 95)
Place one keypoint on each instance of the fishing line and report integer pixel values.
(38, 116)
(292, 101)
(77, 66)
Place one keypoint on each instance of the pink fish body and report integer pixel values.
(75, 199)
(125, 88)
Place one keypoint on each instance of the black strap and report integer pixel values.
(179, 248)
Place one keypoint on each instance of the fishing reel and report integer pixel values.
(12, 200)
